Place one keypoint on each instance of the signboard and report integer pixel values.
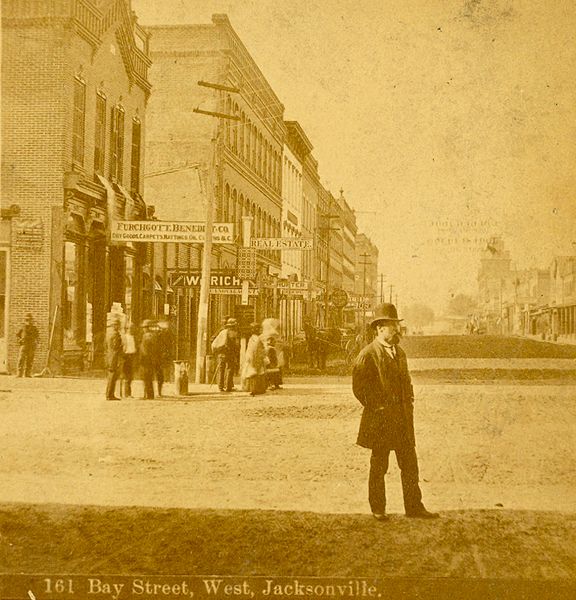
(293, 285)
(234, 291)
(282, 243)
(193, 279)
(246, 315)
(339, 298)
(170, 232)
(246, 265)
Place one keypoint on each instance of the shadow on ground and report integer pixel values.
(520, 545)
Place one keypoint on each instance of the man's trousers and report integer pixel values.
(408, 463)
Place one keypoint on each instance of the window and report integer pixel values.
(135, 164)
(100, 136)
(117, 142)
(78, 126)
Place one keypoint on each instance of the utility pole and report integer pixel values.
(329, 228)
(390, 300)
(365, 262)
(381, 288)
(209, 184)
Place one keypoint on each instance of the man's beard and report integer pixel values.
(394, 339)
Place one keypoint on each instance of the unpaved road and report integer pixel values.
(481, 446)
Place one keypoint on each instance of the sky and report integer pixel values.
(445, 122)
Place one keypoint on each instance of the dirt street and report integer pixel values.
(481, 446)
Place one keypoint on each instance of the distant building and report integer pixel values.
(562, 305)
(365, 295)
(495, 281)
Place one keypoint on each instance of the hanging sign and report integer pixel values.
(282, 243)
(170, 232)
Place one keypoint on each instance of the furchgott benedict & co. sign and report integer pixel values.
(170, 231)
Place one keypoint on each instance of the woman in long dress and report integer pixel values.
(254, 370)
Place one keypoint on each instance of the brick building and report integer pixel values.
(74, 93)
(243, 156)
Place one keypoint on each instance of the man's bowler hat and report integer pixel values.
(231, 322)
(385, 312)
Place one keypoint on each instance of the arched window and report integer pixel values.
(264, 159)
(235, 133)
(242, 124)
(259, 223)
(248, 153)
(233, 201)
(228, 121)
(239, 214)
(254, 148)
(259, 166)
(226, 204)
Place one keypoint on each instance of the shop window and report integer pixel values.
(78, 125)
(128, 285)
(70, 304)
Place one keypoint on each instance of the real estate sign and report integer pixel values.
(282, 243)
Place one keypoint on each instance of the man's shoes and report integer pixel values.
(422, 513)
(381, 516)
(113, 398)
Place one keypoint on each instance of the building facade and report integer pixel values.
(73, 128)
(241, 157)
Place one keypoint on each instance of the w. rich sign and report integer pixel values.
(192, 279)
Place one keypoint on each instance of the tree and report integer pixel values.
(418, 316)
(462, 305)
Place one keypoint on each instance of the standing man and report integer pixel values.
(113, 359)
(148, 357)
(382, 384)
(165, 348)
(225, 345)
(28, 340)
(130, 355)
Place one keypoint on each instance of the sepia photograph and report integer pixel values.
(288, 299)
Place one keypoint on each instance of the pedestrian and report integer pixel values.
(130, 357)
(311, 336)
(165, 352)
(225, 346)
(113, 358)
(273, 378)
(220, 364)
(148, 357)
(382, 384)
(254, 369)
(27, 338)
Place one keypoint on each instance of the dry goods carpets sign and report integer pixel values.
(170, 231)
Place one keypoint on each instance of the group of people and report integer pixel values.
(151, 351)
(263, 361)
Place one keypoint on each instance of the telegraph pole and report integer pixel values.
(365, 262)
(381, 288)
(209, 183)
(390, 294)
(329, 228)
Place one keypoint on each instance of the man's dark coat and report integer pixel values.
(113, 350)
(382, 385)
